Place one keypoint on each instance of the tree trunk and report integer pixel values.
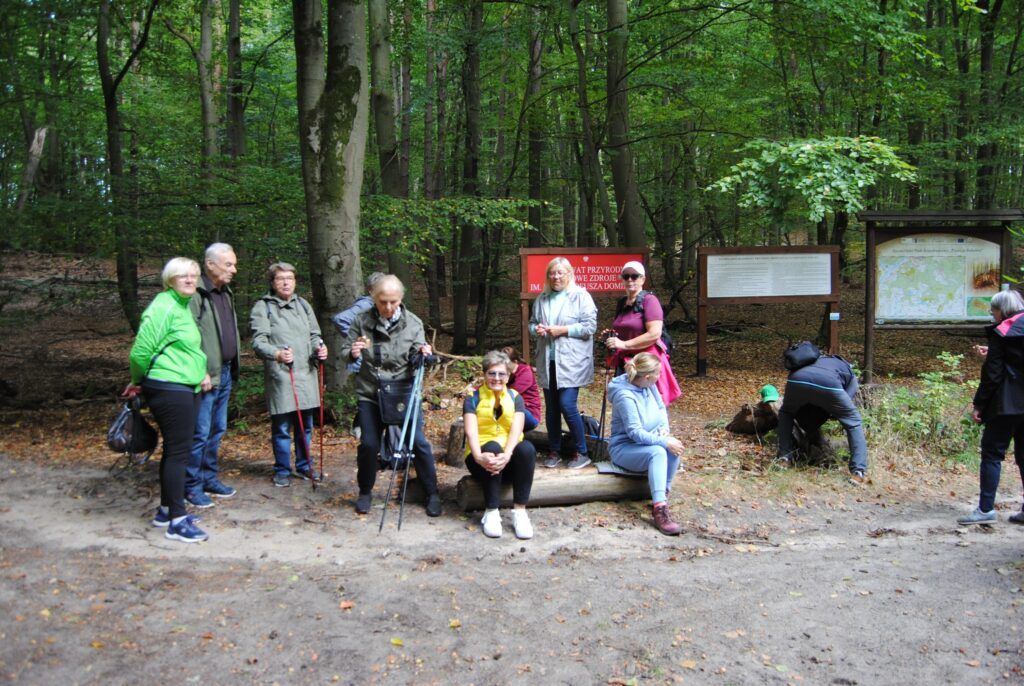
(28, 177)
(630, 222)
(236, 93)
(469, 257)
(127, 260)
(383, 103)
(988, 105)
(535, 117)
(202, 54)
(590, 172)
(333, 121)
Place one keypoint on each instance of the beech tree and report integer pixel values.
(333, 102)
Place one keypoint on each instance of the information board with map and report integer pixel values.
(935, 277)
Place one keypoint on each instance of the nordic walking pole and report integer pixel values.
(414, 398)
(298, 413)
(321, 419)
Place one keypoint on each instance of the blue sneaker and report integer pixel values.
(219, 490)
(979, 517)
(185, 531)
(199, 499)
(163, 518)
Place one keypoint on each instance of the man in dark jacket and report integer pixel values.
(213, 307)
(818, 392)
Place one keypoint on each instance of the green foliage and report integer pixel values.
(404, 226)
(933, 418)
(340, 405)
(246, 389)
(831, 174)
(468, 370)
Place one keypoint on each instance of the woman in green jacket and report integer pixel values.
(168, 367)
(286, 336)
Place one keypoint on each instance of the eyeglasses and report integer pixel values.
(630, 277)
(497, 375)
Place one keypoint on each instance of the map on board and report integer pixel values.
(936, 277)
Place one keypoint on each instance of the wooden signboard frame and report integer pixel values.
(884, 225)
(704, 301)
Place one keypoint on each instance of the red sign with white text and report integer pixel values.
(597, 272)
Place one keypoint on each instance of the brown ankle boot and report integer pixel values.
(663, 521)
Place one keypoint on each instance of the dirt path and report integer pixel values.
(843, 587)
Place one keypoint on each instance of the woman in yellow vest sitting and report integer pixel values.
(493, 417)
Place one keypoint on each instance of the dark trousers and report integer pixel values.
(371, 426)
(174, 406)
(995, 439)
(520, 469)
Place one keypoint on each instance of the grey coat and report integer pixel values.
(276, 325)
(574, 355)
(391, 354)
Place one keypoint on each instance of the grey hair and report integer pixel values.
(570, 280)
(388, 282)
(494, 358)
(178, 266)
(1008, 303)
(216, 249)
(643, 364)
(372, 279)
(274, 269)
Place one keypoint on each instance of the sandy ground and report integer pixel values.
(835, 586)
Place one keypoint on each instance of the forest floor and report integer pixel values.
(780, 577)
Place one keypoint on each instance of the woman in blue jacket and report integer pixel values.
(641, 440)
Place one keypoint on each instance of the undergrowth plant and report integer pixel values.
(932, 419)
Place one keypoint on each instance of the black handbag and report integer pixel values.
(131, 433)
(393, 399)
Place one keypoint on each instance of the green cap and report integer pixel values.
(769, 393)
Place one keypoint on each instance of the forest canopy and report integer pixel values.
(144, 129)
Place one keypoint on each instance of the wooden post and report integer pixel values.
(702, 315)
(869, 306)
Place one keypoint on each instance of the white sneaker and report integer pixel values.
(492, 523)
(521, 523)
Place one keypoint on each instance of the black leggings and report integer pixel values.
(520, 467)
(372, 427)
(175, 407)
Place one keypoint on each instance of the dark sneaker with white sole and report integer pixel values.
(219, 490)
(281, 481)
(199, 499)
(162, 518)
(185, 531)
(579, 461)
(553, 460)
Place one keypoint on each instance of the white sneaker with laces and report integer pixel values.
(521, 523)
(491, 522)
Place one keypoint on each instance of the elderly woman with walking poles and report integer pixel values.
(999, 403)
(168, 367)
(286, 336)
(390, 341)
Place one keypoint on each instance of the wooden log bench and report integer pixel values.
(553, 487)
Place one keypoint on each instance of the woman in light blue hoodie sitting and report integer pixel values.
(641, 440)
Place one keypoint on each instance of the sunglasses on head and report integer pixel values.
(630, 277)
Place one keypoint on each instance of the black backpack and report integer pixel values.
(638, 307)
(800, 355)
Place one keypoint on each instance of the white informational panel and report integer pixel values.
(762, 275)
(935, 277)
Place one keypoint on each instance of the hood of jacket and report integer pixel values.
(1011, 327)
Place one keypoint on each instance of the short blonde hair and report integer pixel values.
(644, 364)
(570, 278)
(178, 266)
(494, 358)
